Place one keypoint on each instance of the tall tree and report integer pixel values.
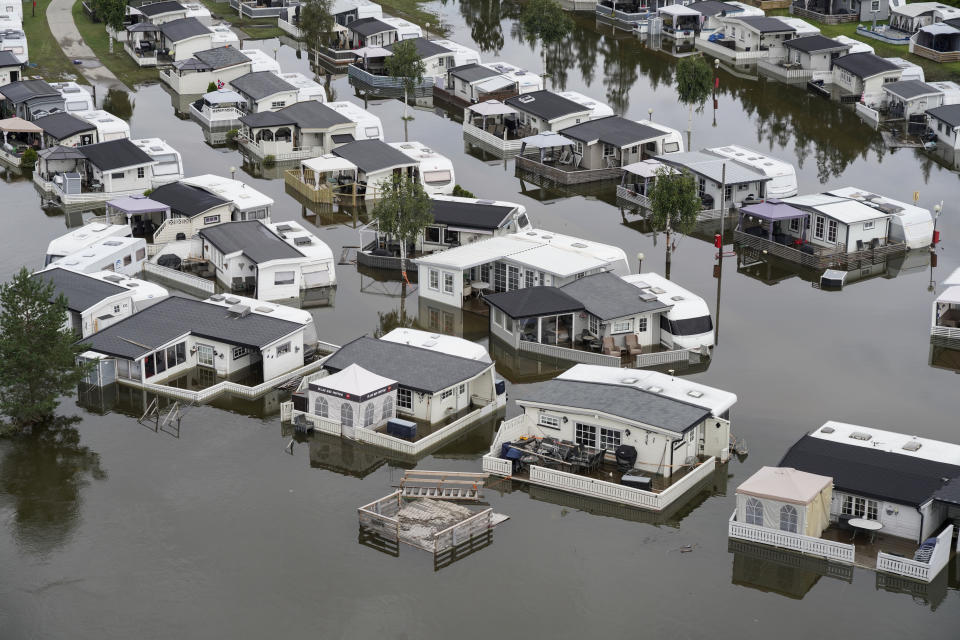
(406, 64)
(316, 24)
(674, 205)
(546, 21)
(112, 13)
(694, 84)
(38, 355)
(402, 212)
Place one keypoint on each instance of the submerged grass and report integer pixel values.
(94, 34)
(46, 57)
(256, 29)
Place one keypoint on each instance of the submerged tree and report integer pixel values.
(674, 205)
(316, 23)
(402, 212)
(694, 84)
(406, 64)
(118, 103)
(38, 355)
(546, 21)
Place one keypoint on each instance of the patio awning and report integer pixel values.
(495, 83)
(950, 296)
(137, 204)
(372, 52)
(60, 152)
(773, 210)
(192, 64)
(647, 168)
(143, 27)
(19, 125)
(326, 164)
(547, 140)
(939, 29)
(491, 108)
(221, 96)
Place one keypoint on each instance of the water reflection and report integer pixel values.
(117, 102)
(42, 475)
(134, 402)
(771, 270)
(944, 354)
(785, 573)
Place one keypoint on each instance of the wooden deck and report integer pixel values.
(608, 472)
(866, 551)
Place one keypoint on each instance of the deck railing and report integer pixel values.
(497, 466)
(728, 54)
(487, 138)
(295, 153)
(380, 516)
(571, 355)
(387, 86)
(463, 531)
(562, 176)
(923, 571)
(825, 18)
(809, 545)
(933, 54)
(665, 357)
(188, 280)
(289, 28)
(952, 333)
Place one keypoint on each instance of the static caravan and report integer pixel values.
(435, 169)
(246, 203)
(687, 324)
(273, 310)
(264, 91)
(910, 224)
(64, 129)
(83, 238)
(374, 162)
(77, 99)
(219, 65)
(368, 125)
(547, 111)
(307, 88)
(834, 221)
(740, 183)
(11, 69)
(783, 175)
(300, 130)
(945, 122)
(118, 254)
(864, 75)
(167, 163)
(14, 40)
(109, 127)
(29, 99)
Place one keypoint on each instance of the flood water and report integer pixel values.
(109, 529)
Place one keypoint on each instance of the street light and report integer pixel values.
(650, 114)
(233, 171)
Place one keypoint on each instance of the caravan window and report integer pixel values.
(671, 147)
(283, 277)
(76, 105)
(372, 132)
(167, 164)
(404, 398)
(437, 177)
(586, 435)
(609, 439)
(687, 326)
(433, 234)
(141, 254)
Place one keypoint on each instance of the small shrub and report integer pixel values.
(460, 192)
(29, 159)
(232, 135)
(269, 160)
(148, 192)
(211, 87)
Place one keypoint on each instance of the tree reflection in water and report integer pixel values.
(41, 477)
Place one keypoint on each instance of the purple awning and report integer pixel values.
(137, 204)
(773, 210)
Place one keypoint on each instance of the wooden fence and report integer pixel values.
(561, 176)
(823, 17)
(932, 54)
(462, 531)
(666, 357)
(380, 516)
(571, 355)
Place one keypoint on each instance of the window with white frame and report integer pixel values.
(116, 308)
(818, 227)
(211, 219)
(609, 439)
(321, 407)
(278, 104)
(586, 434)
(789, 520)
(754, 512)
(404, 398)
(869, 224)
(548, 421)
(140, 172)
(642, 325)
(283, 349)
(832, 231)
(860, 508)
(529, 278)
(239, 352)
(594, 325)
(462, 389)
(434, 280)
(622, 326)
(497, 317)
(448, 283)
(369, 415)
(446, 394)
(795, 224)
(346, 415)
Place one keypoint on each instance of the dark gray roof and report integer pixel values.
(173, 317)
(412, 367)
(624, 401)
(62, 125)
(864, 65)
(257, 241)
(373, 155)
(26, 89)
(115, 154)
(471, 215)
(546, 104)
(531, 302)
(870, 472)
(80, 290)
(608, 296)
(156, 8)
(949, 113)
(267, 119)
(220, 57)
(812, 44)
(177, 30)
(763, 24)
(260, 84)
(312, 114)
(369, 26)
(186, 200)
(425, 48)
(953, 22)
(950, 492)
(908, 89)
(7, 59)
(342, 138)
(714, 7)
(613, 130)
(472, 72)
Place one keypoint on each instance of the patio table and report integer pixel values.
(867, 525)
(480, 287)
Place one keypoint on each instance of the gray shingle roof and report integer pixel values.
(763, 24)
(80, 290)
(373, 155)
(530, 302)
(608, 296)
(471, 215)
(412, 367)
(311, 114)
(156, 8)
(949, 113)
(711, 166)
(472, 72)
(26, 89)
(115, 154)
(812, 44)
(864, 65)
(267, 119)
(425, 48)
(7, 59)
(613, 130)
(369, 26)
(713, 7)
(623, 401)
(62, 125)
(186, 200)
(253, 238)
(260, 84)
(177, 30)
(173, 317)
(221, 57)
(908, 89)
(545, 104)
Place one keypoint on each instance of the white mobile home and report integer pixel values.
(83, 238)
(368, 125)
(759, 34)
(300, 130)
(783, 175)
(219, 65)
(945, 122)
(815, 53)
(435, 169)
(687, 324)
(540, 111)
(863, 75)
(117, 254)
(836, 220)
(109, 127)
(910, 224)
(11, 69)
(738, 184)
(64, 129)
(77, 99)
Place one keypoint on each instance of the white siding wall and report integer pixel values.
(903, 521)
(119, 306)
(266, 279)
(275, 363)
(186, 48)
(130, 180)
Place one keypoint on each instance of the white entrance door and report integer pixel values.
(205, 355)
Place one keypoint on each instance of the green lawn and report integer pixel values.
(259, 29)
(932, 70)
(94, 34)
(410, 10)
(46, 57)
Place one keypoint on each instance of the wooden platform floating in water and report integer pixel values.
(443, 485)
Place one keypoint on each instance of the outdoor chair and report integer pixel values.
(566, 157)
(610, 348)
(633, 345)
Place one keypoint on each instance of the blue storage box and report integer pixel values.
(402, 428)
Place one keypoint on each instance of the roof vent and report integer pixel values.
(240, 310)
(547, 237)
(430, 343)
(302, 240)
(579, 245)
(526, 99)
(485, 201)
(112, 243)
(629, 381)
(217, 298)
(860, 435)
(284, 227)
(646, 296)
(113, 278)
(264, 309)
(676, 298)
(693, 393)
(655, 389)
(233, 300)
(131, 284)
(827, 430)
(913, 445)
(658, 290)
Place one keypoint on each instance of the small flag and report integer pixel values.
(219, 84)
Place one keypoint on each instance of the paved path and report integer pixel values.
(60, 19)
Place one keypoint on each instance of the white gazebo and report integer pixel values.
(785, 499)
(354, 397)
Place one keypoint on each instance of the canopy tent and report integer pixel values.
(18, 125)
(372, 52)
(491, 108)
(354, 382)
(222, 96)
(773, 211)
(939, 28)
(490, 85)
(547, 140)
(355, 397)
(786, 499)
(136, 204)
(647, 168)
(330, 164)
(60, 152)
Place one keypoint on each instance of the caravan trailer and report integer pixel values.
(436, 170)
(688, 324)
(77, 100)
(369, 126)
(82, 238)
(109, 127)
(783, 175)
(121, 255)
(169, 166)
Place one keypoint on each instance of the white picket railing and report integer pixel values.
(497, 466)
(572, 355)
(185, 279)
(923, 571)
(594, 488)
(945, 332)
(809, 545)
(507, 146)
(511, 430)
(731, 55)
(289, 28)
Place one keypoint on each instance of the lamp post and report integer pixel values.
(937, 208)
(650, 114)
(233, 171)
(716, 87)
